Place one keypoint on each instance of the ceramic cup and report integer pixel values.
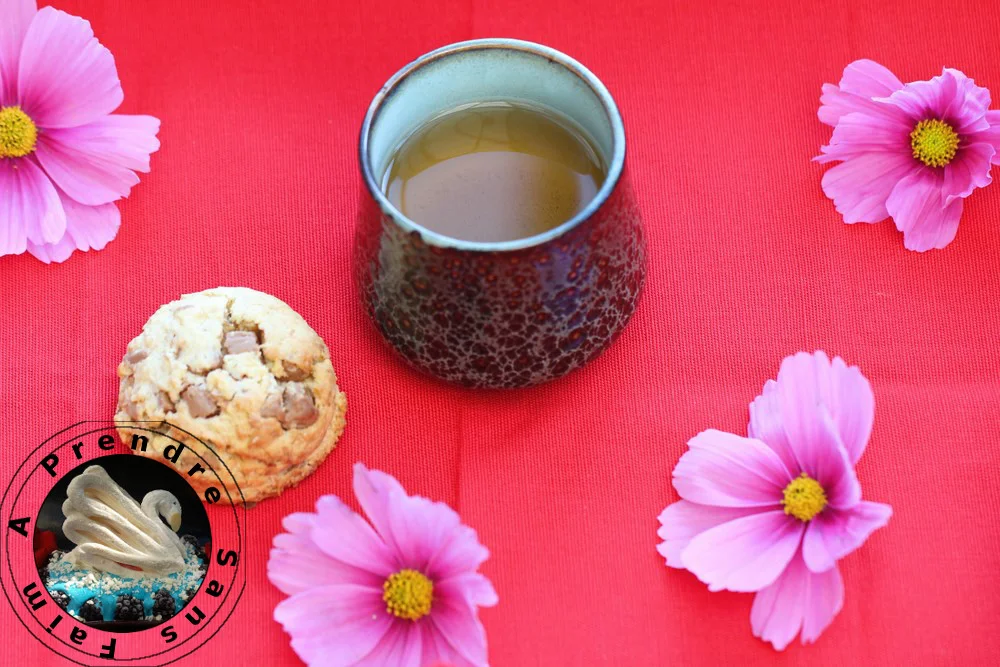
(506, 314)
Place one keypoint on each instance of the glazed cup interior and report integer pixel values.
(482, 71)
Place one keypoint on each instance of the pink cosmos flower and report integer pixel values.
(64, 158)
(773, 513)
(913, 152)
(403, 591)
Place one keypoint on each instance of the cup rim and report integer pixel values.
(616, 163)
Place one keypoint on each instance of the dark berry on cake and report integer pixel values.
(91, 611)
(60, 599)
(163, 604)
(128, 608)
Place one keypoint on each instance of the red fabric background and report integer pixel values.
(257, 185)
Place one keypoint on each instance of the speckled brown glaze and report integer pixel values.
(503, 319)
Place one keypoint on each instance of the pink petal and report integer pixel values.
(812, 435)
(421, 529)
(332, 607)
(437, 650)
(475, 588)
(969, 170)
(826, 599)
(456, 620)
(30, 209)
(869, 79)
(335, 625)
(730, 471)
(862, 80)
(87, 227)
(374, 490)
(924, 99)
(403, 647)
(991, 135)
(836, 103)
(460, 552)
(94, 164)
(347, 537)
(296, 564)
(683, 520)
(57, 252)
(66, 78)
(862, 133)
(799, 599)
(425, 535)
(809, 380)
(916, 207)
(860, 186)
(17, 15)
(744, 555)
(416, 528)
(827, 462)
(767, 426)
(90, 227)
(967, 108)
(952, 97)
(833, 533)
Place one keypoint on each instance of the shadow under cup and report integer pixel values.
(513, 313)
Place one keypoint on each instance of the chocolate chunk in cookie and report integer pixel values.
(199, 402)
(238, 342)
(300, 408)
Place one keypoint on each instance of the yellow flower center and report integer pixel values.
(934, 142)
(408, 594)
(18, 133)
(804, 498)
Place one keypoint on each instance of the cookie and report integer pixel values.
(243, 373)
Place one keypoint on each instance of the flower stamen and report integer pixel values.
(408, 594)
(934, 142)
(804, 498)
(18, 133)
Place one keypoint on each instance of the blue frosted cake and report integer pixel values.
(92, 595)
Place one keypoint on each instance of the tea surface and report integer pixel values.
(494, 172)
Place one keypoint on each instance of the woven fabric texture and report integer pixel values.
(257, 185)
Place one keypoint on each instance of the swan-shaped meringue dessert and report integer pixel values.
(115, 534)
